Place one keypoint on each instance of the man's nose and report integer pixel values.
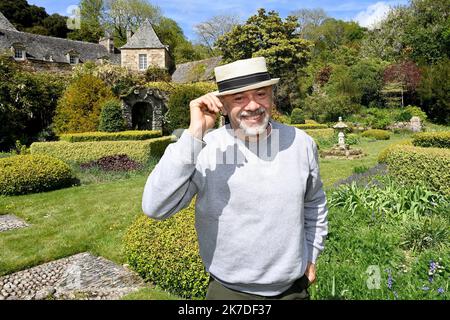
(252, 105)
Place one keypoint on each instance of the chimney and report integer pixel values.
(107, 42)
(129, 34)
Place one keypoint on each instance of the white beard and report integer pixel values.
(255, 129)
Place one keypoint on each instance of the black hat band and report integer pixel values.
(242, 81)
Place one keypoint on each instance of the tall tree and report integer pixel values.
(267, 35)
(208, 32)
(127, 15)
(91, 14)
(309, 19)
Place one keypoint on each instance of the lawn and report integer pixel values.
(95, 216)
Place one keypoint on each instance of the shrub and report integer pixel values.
(111, 117)
(280, 117)
(79, 108)
(351, 139)
(383, 154)
(297, 116)
(80, 152)
(166, 253)
(411, 165)
(154, 74)
(171, 87)
(432, 139)
(178, 116)
(119, 162)
(306, 126)
(416, 112)
(324, 138)
(377, 134)
(33, 173)
(27, 102)
(116, 136)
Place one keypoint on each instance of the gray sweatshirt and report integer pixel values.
(260, 212)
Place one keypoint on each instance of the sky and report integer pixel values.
(188, 13)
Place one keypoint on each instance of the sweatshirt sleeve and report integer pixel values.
(169, 187)
(316, 222)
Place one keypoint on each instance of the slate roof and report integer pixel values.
(41, 47)
(145, 37)
(5, 24)
(186, 72)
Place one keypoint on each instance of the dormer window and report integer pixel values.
(19, 52)
(73, 57)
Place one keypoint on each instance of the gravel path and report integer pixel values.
(9, 222)
(82, 276)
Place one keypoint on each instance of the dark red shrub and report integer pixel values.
(119, 162)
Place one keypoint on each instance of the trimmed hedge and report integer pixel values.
(307, 126)
(383, 154)
(321, 133)
(111, 136)
(377, 134)
(81, 152)
(171, 87)
(24, 174)
(410, 165)
(166, 253)
(432, 139)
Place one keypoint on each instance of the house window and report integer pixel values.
(19, 54)
(142, 62)
(73, 59)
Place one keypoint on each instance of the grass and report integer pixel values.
(95, 216)
(333, 170)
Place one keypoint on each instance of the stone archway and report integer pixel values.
(144, 109)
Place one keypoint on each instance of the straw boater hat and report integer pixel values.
(242, 75)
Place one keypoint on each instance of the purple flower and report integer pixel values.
(440, 290)
(430, 278)
(424, 288)
(390, 280)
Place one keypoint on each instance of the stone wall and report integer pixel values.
(157, 57)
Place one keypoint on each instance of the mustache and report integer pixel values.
(259, 111)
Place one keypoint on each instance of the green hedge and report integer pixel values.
(80, 152)
(308, 126)
(111, 136)
(321, 133)
(377, 134)
(410, 165)
(432, 139)
(166, 253)
(383, 154)
(33, 173)
(171, 87)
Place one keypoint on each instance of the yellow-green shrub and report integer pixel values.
(33, 173)
(432, 139)
(111, 136)
(79, 108)
(410, 164)
(377, 134)
(80, 152)
(383, 154)
(170, 87)
(309, 126)
(320, 133)
(166, 253)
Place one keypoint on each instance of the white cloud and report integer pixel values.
(373, 14)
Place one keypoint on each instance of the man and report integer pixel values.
(261, 215)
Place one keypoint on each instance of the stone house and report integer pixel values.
(142, 50)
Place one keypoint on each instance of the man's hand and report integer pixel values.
(310, 272)
(204, 111)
